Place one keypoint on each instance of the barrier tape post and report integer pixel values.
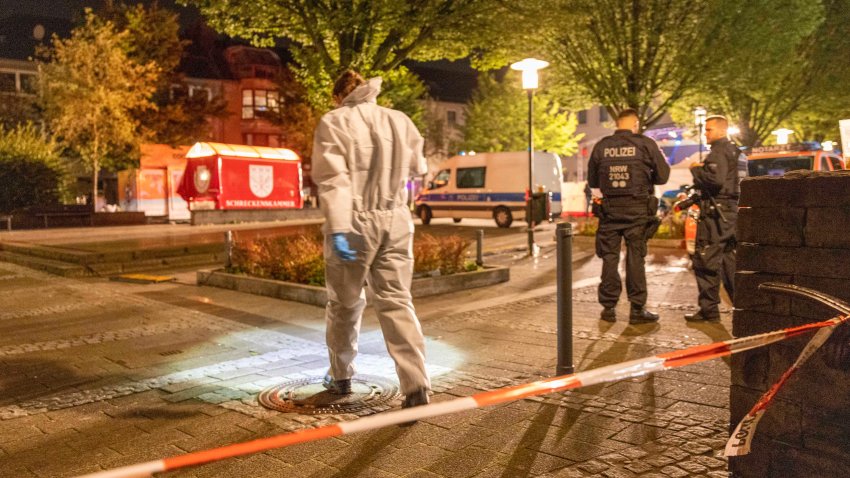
(479, 247)
(605, 374)
(564, 244)
(228, 249)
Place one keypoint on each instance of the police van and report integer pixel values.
(489, 185)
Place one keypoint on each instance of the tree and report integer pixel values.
(90, 89)
(18, 109)
(296, 117)
(370, 36)
(791, 75)
(31, 169)
(153, 38)
(497, 120)
(802, 86)
(640, 54)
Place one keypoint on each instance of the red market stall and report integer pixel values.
(231, 176)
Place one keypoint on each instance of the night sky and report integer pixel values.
(48, 8)
(62, 8)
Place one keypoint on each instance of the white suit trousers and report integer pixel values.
(383, 241)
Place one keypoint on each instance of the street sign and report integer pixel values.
(844, 126)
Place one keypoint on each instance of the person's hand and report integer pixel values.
(341, 247)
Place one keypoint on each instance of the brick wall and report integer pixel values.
(793, 229)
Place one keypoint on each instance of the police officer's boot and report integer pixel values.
(702, 317)
(337, 387)
(639, 315)
(608, 314)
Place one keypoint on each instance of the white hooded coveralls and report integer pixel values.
(363, 155)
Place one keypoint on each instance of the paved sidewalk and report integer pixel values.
(97, 374)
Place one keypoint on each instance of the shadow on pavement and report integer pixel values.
(532, 439)
(379, 440)
(29, 379)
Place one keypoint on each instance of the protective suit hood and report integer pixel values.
(365, 93)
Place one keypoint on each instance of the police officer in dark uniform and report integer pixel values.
(717, 179)
(625, 166)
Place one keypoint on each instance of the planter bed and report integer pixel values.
(318, 296)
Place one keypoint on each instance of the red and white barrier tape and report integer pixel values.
(742, 438)
(609, 373)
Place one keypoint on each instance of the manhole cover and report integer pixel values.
(308, 396)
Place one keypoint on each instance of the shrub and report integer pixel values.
(588, 227)
(291, 258)
(31, 170)
(300, 258)
(446, 254)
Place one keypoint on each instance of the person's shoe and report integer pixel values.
(337, 387)
(415, 399)
(608, 314)
(700, 317)
(639, 315)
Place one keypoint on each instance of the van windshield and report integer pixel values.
(441, 179)
(778, 166)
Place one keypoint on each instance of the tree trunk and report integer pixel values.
(94, 175)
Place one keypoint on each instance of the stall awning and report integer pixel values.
(205, 150)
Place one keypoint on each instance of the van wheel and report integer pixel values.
(503, 216)
(456, 219)
(425, 215)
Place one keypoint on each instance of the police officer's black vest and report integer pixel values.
(623, 168)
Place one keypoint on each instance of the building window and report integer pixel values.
(451, 116)
(29, 83)
(603, 114)
(7, 82)
(259, 101)
(18, 82)
(582, 117)
(200, 91)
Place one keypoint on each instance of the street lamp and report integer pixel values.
(699, 121)
(529, 68)
(782, 135)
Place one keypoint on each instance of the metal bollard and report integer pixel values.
(564, 239)
(228, 249)
(479, 248)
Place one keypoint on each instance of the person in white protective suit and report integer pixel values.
(363, 155)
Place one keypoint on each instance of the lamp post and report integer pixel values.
(699, 121)
(529, 68)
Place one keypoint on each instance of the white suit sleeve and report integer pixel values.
(419, 165)
(331, 174)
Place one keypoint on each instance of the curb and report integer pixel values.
(318, 296)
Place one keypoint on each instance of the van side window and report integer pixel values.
(441, 179)
(836, 163)
(823, 163)
(470, 177)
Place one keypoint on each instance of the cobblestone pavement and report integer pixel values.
(97, 374)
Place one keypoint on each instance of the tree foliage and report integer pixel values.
(296, 117)
(789, 74)
(373, 37)
(800, 85)
(90, 90)
(497, 119)
(641, 54)
(32, 171)
(153, 38)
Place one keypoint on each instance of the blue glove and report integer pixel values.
(341, 247)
